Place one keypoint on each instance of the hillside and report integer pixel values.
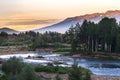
(8, 30)
(66, 24)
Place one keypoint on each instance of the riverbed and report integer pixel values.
(96, 66)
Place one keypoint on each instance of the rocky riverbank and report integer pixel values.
(103, 56)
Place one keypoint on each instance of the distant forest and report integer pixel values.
(89, 37)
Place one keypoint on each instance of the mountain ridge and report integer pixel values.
(65, 24)
(8, 30)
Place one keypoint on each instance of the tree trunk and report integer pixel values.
(110, 48)
(105, 47)
(96, 45)
(92, 45)
(88, 46)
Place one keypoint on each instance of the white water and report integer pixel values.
(96, 66)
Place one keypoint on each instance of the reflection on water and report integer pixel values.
(106, 71)
(105, 66)
(96, 66)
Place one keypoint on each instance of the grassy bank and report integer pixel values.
(13, 68)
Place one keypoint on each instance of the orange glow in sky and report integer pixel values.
(31, 14)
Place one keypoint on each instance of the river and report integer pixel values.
(96, 66)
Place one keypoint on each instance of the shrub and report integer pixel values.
(78, 73)
(13, 66)
(58, 77)
(11, 43)
(13, 78)
(75, 73)
(28, 73)
(52, 69)
(63, 50)
(3, 76)
(58, 45)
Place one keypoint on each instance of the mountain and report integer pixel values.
(66, 24)
(8, 30)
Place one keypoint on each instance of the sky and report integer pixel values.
(32, 14)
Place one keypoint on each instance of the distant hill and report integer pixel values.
(8, 30)
(66, 24)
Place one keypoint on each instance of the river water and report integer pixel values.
(96, 66)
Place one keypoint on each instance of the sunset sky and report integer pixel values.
(31, 14)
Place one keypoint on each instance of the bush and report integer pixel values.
(13, 78)
(58, 45)
(52, 69)
(28, 73)
(14, 69)
(13, 66)
(63, 50)
(44, 69)
(11, 43)
(87, 76)
(75, 73)
(3, 76)
(78, 73)
(58, 77)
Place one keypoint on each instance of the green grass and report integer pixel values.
(56, 69)
(63, 50)
(52, 69)
(11, 43)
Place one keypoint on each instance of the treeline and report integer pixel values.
(33, 40)
(89, 37)
(100, 37)
(50, 37)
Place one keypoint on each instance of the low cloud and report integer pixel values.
(32, 22)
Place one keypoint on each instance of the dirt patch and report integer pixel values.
(98, 77)
(65, 76)
(12, 49)
(52, 76)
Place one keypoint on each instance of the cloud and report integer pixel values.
(32, 22)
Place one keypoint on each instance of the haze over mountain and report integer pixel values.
(66, 24)
(8, 30)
